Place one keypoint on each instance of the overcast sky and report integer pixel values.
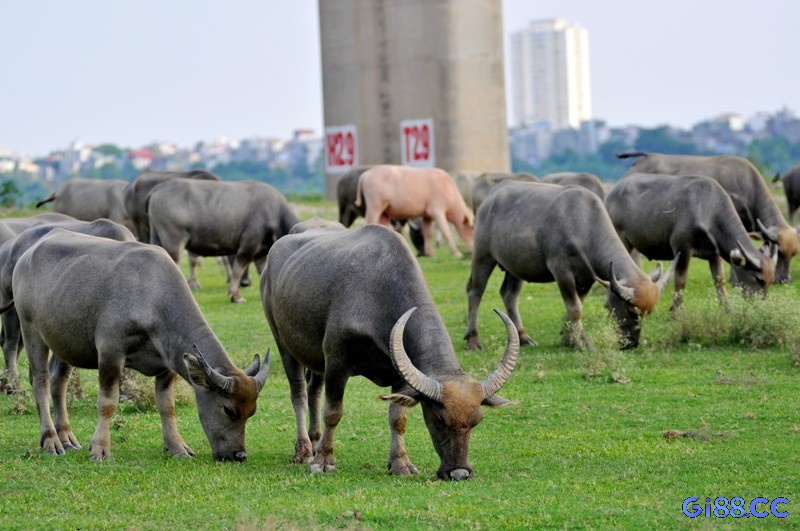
(133, 72)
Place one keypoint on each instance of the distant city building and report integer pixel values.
(550, 74)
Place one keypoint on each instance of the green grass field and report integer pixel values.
(583, 446)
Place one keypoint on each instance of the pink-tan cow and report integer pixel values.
(399, 192)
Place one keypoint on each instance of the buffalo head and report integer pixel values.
(787, 241)
(451, 405)
(224, 403)
(753, 273)
(628, 303)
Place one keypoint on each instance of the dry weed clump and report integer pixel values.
(602, 359)
(139, 391)
(748, 322)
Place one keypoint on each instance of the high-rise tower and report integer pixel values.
(550, 74)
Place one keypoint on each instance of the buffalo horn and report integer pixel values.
(661, 281)
(214, 378)
(263, 372)
(492, 383)
(770, 235)
(413, 376)
(625, 292)
(754, 262)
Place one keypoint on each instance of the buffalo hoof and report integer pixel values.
(237, 298)
(105, 456)
(317, 469)
(402, 468)
(525, 339)
(54, 451)
(51, 444)
(195, 285)
(245, 283)
(473, 343)
(183, 455)
(71, 445)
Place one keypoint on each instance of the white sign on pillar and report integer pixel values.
(341, 148)
(416, 143)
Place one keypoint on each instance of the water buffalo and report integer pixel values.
(791, 185)
(662, 215)
(398, 192)
(483, 184)
(102, 304)
(346, 192)
(91, 199)
(11, 251)
(346, 189)
(338, 302)
(210, 218)
(136, 196)
(746, 187)
(589, 181)
(11, 227)
(546, 233)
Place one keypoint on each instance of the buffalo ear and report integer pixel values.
(402, 399)
(196, 374)
(496, 401)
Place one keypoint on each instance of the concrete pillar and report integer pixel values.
(384, 61)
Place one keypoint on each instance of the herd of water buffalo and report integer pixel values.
(341, 302)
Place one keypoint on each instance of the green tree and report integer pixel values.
(109, 149)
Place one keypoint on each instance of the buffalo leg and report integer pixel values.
(509, 291)
(238, 268)
(573, 335)
(194, 264)
(427, 237)
(295, 373)
(681, 276)
(315, 386)
(444, 227)
(40, 382)
(482, 267)
(174, 444)
(717, 267)
(12, 344)
(59, 379)
(110, 370)
(334, 394)
(399, 462)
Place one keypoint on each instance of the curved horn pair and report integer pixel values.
(432, 388)
(661, 280)
(213, 377)
(258, 371)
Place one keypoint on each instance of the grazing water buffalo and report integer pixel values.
(210, 218)
(101, 304)
(340, 304)
(546, 233)
(791, 185)
(10, 253)
(589, 181)
(661, 216)
(346, 190)
(91, 199)
(746, 187)
(398, 192)
(483, 184)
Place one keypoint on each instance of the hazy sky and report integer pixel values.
(131, 72)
